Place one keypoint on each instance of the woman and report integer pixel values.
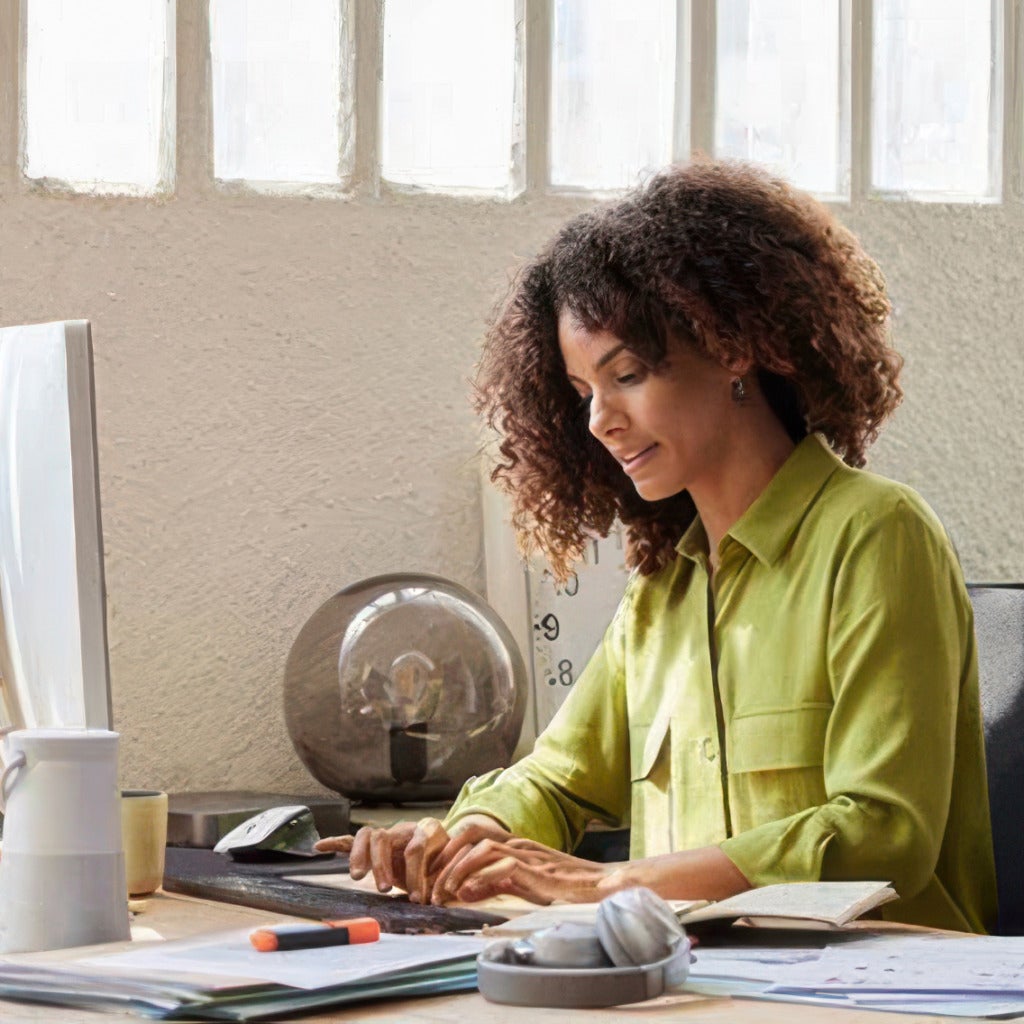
(789, 689)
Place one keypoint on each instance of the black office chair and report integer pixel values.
(999, 628)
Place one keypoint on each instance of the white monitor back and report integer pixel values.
(53, 632)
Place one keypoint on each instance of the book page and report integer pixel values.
(834, 902)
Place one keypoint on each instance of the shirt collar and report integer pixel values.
(768, 524)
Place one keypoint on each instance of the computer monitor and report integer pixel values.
(53, 633)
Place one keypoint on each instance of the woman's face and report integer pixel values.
(668, 429)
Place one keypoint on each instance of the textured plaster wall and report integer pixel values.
(282, 411)
(281, 389)
(955, 274)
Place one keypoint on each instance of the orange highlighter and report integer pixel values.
(311, 936)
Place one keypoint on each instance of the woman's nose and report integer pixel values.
(603, 416)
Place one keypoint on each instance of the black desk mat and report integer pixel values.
(213, 876)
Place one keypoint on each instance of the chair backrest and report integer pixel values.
(999, 628)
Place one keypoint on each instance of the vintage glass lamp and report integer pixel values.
(400, 687)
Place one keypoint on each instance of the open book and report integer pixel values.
(796, 905)
(812, 905)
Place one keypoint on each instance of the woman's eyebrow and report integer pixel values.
(609, 356)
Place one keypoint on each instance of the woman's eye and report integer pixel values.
(627, 378)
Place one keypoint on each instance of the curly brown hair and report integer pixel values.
(724, 257)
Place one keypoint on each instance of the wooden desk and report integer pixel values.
(180, 916)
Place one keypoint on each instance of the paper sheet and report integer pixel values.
(230, 954)
(928, 963)
(967, 976)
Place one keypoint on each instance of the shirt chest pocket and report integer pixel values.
(675, 787)
(650, 776)
(776, 763)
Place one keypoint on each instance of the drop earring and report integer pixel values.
(739, 390)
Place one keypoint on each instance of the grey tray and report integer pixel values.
(202, 819)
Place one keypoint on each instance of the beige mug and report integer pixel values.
(144, 833)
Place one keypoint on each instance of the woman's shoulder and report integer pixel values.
(860, 500)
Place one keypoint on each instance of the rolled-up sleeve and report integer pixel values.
(900, 645)
(579, 768)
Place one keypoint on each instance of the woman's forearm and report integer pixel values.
(702, 874)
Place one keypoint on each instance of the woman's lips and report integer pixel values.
(635, 462)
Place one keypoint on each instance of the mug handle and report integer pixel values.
(18, 762)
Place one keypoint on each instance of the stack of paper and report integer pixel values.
(221, 977)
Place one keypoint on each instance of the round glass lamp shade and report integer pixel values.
(401, 687)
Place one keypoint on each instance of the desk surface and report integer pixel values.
(179, 916)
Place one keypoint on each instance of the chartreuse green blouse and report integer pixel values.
(812, 708)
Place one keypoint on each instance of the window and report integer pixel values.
(782, 96)
(449, 93)
(613, 87)
(276, 78)
(99, 97)
(935, 98)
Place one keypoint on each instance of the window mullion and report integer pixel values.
(861, 56)
(681, 120)
(1013, 101)
(702, 49)
(193, 131)
(538, 41)
(367, 19)
(12, 52)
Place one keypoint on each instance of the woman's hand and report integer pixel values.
(399, 856)
(523, 868)
(409, 855)
(537, 873)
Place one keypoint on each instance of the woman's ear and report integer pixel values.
(740, 366)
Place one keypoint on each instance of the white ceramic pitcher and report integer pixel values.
(62, 879)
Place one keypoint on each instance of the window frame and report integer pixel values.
(187, 141)
(1001, 131)
(167, 139)
(348, 120)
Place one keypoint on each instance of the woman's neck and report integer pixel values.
(755, 455)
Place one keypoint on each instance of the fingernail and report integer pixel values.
(414, 896)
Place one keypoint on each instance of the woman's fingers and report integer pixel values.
(380, 850)
(467, 862)
(475, 873)
(432, 866)
(359, 857)
(382, 856)
(497, 878)
(441, 893)
(428, 840)
(468, 837)
(401, 856)
(334, 844)
(519, 867)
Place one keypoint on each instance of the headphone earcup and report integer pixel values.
(568, 944)
(637, 927)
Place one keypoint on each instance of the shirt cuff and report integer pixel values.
(791, 850)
